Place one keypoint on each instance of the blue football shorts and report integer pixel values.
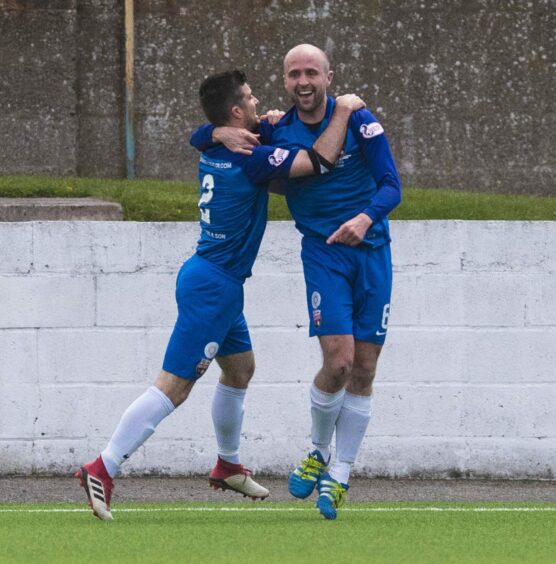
(210, 319)
(348, 289)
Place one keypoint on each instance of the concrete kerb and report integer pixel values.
(59, 209)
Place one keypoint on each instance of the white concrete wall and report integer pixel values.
(466, 383)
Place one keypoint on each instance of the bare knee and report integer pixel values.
(339, 366)
(365, 365)
(237, 369)
(364, 368)
(237, 378)
(361, 382)
(175, 388)
(337, 363)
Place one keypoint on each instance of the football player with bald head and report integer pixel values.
(346, 261)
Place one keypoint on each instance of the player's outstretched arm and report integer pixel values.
(326, 150)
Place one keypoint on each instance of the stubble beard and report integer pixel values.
(252, 123)
(318, 100)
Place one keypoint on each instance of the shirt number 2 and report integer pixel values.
(207, 185)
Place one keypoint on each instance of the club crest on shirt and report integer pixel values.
(201, 368)
(278, 157)
(369, 130)
(317, 318)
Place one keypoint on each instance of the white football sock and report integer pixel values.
(340, 471)
(227, 418)
(350, 429)
(324, 413)
(136, 425)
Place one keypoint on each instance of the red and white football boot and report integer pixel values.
(228, 476)
(98, 486)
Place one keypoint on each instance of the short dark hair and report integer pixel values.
(219, 93)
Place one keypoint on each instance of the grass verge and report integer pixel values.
(160, 200)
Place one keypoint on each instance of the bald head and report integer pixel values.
(307, 75)
(304, 51)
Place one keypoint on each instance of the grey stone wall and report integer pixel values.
(98, 88)
(464, 88)
(38, 102)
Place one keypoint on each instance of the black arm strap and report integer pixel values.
(313, 155)
(326, 164)
(320, 164)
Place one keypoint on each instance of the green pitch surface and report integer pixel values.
(280, 532)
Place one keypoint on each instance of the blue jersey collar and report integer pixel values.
(291, 115)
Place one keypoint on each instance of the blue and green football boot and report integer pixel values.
(332, 494)
(304, 478)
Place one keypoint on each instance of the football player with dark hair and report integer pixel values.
(209, 290)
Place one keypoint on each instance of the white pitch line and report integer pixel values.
(295, 509)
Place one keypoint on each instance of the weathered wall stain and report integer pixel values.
(464, 88)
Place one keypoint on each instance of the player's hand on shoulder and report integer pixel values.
(236, 139)
(350, 102)
(273, 116)
(351, 232)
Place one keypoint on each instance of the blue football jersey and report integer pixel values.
(365, 178)
(234, 203)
